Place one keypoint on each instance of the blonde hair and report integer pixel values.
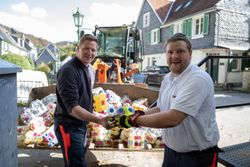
(87, 37)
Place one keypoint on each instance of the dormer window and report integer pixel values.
(188, 3)
(178, 8)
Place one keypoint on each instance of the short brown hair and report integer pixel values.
(180, 37)
(88, 37)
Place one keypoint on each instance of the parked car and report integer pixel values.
(154, 74)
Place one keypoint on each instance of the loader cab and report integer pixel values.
(118, 43)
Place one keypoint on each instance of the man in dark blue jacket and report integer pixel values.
(75, 103)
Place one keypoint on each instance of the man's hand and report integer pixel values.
(127, 121)
(122, 121)
(108, 122)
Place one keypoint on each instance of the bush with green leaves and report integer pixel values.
(18, 60)
(44, 68)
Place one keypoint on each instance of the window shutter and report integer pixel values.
(189, 28)
(184, 25)
(158, 35)
(206, 24)
(149, 37)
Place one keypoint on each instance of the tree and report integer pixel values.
(68, 50)
(19, 60)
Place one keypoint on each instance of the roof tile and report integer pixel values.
(193, 7)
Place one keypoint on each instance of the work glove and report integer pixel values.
(125, 121)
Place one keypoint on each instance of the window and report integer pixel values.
(234, 63)
(178, 8)
(171, 30)
(177, 28)
(155, 36)
(111, 43)
(201, 25)
(146, 19)
(188, 3)
(198, 26)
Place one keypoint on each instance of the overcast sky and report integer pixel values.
(52, 20)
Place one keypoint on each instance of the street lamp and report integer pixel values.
(78, 18)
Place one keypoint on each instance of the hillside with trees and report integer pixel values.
(66, 48)
(38, 42)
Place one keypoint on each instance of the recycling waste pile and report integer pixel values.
(35, 123)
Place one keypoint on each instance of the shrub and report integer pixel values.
(44, 68)
(18, 60)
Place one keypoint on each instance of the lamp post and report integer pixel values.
(78, 18)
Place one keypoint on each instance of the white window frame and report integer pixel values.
(146, 19)
(200, 27)
(154, 36)
(178, 27)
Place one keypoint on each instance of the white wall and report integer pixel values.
(27, 80)
(234, 77)
(159, 58)
(198, 55)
